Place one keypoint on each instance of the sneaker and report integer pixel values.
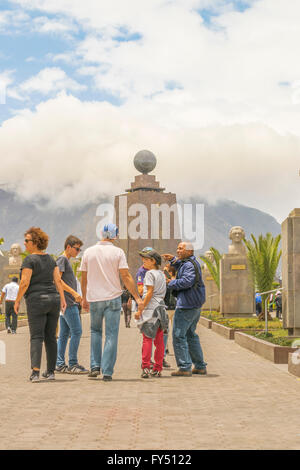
(48, 375)
(166, 364)
(35, 376)
(151, 365)
(155, 373)
(94, 373)
(107, 378)
(8, 330)
(13, 332)
(199, 371)
(182, 373)
(145, 374)
(62, 369)
(77, 369)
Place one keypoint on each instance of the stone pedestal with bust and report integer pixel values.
(146, 215)
(291, 272)
(237, 297)
(11, 268)
(211, 289)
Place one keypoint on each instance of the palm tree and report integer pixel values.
(213, 266)
(263, 256)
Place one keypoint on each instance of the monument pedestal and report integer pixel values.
(146, 216)
(212, 293)
(237, 297)
(291, 272)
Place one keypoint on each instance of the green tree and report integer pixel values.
(213, 267)
(264, 256)
(1, 241)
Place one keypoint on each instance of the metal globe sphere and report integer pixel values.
(145, 161)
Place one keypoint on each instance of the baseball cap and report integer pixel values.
(151, 254)
(110, 231)
(146, 250)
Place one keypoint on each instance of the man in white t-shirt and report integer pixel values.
(101, 267)
(10, 292)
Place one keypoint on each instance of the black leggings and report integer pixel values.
(43, 313)
(10, 314)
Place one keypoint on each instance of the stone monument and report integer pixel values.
(237, 297)
(290, 228)
(10, 267)
(146, 215)
(212, 292)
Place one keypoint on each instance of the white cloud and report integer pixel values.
(43, 24)
(48, 80)
(71, 152)
(223, 101)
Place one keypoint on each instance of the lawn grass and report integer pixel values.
(279, 337)
(243, 323)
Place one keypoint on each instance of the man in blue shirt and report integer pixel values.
(189, 289)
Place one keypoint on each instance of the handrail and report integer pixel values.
(266, 305)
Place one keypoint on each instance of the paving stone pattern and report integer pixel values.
(245, 402)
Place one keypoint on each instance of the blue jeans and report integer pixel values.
(69, 324)
(111, 311)
(186, 342)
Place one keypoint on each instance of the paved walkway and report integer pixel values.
(245, 402)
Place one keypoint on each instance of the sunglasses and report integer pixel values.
(77, 249)
(27, 240)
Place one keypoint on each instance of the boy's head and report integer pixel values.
(151, 259)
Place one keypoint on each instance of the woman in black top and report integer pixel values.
(42, 287)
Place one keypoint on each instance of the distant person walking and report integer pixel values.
(190, 291)
(278, 302)
(10, 292)
(70, 325)
(42, 287)
(101, 268)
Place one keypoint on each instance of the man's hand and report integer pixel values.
(17, 307)
(167, 257)
(78, 299)
(85, 305)
(63, 306)
(137, 315)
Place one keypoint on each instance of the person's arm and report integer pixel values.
(129, 283)
(85, 303)
(2, 297)
(58, 283)
(147, 299)
(186, 280)
(69, 289)
(24, 284)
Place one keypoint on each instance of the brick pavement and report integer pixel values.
(245, 402)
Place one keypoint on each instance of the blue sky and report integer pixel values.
(25, 51)
(209, 84)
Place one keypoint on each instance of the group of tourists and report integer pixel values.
(52, 293)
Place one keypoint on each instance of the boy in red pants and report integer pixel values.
(153, 294)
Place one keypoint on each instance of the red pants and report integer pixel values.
(159, 351)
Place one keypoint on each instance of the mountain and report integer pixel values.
(17, 216)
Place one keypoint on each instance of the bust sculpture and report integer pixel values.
(15, 252)
(237, 234)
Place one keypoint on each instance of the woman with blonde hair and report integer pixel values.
(42, 288)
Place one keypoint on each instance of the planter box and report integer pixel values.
(205, 322)
(294, 364)
(270, 351)
(223, 330)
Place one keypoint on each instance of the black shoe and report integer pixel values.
(94, 373)
(77, 370)
(107, 378)
(48, 376)
(155, 373)
(8, 330)
(145, 374)
(35, 376)
(62, 369)
(166, 365)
